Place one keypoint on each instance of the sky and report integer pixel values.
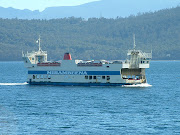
(40, 4)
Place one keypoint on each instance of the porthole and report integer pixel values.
(108, 78)
(49, 76)
(86, 77)
(45, 76)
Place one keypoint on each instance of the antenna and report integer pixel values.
(134, 38)
(151, 48)
(39, 41)
(151, 51)
(22, 53)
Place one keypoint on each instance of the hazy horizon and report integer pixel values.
(40, 4)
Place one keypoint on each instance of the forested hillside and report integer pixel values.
(95, 38)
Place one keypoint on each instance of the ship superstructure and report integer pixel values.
(68, 72)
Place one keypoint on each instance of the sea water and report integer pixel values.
(56, 110)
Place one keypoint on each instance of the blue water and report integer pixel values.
(56, 110)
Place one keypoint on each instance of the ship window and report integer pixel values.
(94, 77)
(103, 77)
(124, 77)
(34, 77)
(32, 58)
(49, 76)
(37, 76)
(107, 66)
(137, 77)
(42, 77)
(108, 77)
(90, 77)
(45, 76)
(143, 61)
(86, 77)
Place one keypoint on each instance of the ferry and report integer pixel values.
(69, 72)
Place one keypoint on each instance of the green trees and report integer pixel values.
(95, 38)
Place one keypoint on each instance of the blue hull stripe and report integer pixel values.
(37, 72)
(77, 84)
(77, 72)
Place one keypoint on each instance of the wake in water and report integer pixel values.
(14, 84)
(143, 85)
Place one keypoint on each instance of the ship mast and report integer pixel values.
(39, 41)
(134, 38)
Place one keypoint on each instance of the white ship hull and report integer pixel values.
(68, 72)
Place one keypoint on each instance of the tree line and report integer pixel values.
(94, 38)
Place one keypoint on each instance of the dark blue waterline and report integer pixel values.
(77, 84)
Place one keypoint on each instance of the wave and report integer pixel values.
(17, 84)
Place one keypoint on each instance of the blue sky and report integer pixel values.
(40, 4)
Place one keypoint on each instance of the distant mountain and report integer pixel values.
(94, 38)
(20, 14)
(103, 8)
(109, 8)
